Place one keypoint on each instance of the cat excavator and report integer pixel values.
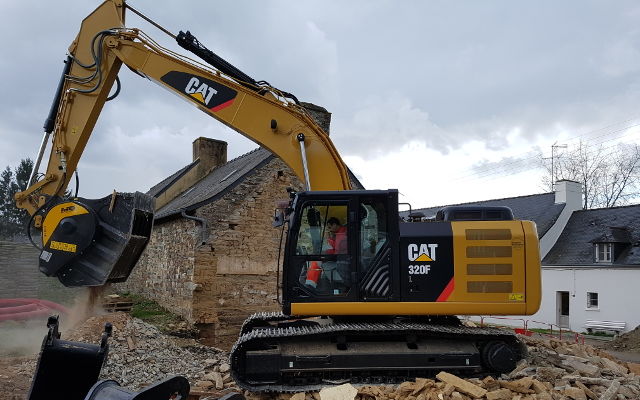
(380, 307)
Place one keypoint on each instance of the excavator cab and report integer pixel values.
(338, 246)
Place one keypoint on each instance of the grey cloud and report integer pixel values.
(390, 72)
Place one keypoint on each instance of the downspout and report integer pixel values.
(204, 229)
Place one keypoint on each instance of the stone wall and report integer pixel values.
(165, 271)
(218, 284)
(236, 276)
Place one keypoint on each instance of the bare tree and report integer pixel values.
(609, 177)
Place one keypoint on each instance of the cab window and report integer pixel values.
(322, 244)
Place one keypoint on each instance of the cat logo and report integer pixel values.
(200, 91)
(213, 95)
(424, 252)
(421, 253)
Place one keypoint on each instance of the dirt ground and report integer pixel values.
(13, 384)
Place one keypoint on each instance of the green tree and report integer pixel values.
(12, 219)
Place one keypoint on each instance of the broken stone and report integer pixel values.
(490, 383)
(582, 368)
(575, 393)
(217, 379)
(614, 366)
(612, 391)
(204, 384)
(522, 364)
(448, 389)
(549, 374)
(420, 385)
(500, 394)
(405, 388)
(457, 396)
(626, 392)
(342, 392)
(519, 386)
(538, 386)
(462, 385)
(587, 391)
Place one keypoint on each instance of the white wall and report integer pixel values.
(618, 295)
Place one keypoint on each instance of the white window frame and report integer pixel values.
(590, 298)
(607, 250)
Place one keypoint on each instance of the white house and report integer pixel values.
(590, 260)
(590, 276)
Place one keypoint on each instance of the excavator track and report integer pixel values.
(276, 353)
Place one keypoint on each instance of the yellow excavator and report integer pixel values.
(367, 296)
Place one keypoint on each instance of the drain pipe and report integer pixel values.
(204, 229)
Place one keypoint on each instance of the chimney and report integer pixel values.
(211, 153)
(569, 192)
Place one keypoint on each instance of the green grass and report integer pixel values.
(151, 312)
(539, 330)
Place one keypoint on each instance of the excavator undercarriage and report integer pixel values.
(277, 353)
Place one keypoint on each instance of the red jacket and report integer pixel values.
(339, 242)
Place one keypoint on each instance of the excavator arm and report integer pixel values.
(92, 242)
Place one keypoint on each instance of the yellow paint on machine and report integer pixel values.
(57, 214)
(496, 272)
(69, 247)
(407, 308)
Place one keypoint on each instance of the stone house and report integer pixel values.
(590, 260)
(213, 253)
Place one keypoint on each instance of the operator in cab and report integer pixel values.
(337, 238)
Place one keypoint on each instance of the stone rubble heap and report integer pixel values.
(554, 370)
(140, 354)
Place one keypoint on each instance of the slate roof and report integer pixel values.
(216, 184)
(618, 225)
(158, 189)
(539, 208)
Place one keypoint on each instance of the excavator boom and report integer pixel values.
(84, 245)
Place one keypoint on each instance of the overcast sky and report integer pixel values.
(447, 101)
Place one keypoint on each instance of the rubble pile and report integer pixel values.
(140, 354)
(629, 341)
(554, 370)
